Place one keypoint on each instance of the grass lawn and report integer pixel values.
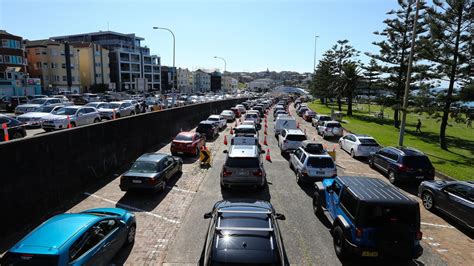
(458, 162)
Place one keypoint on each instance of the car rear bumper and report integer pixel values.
(414, 177)
(243, 181)
(361, 251)
(191, 150)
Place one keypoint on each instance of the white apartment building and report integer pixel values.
(202, 81)
(183, 79)
(261, 84)
(229, 84)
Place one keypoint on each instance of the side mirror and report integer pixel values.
(208, 215)
(225, 151)
(280, 216)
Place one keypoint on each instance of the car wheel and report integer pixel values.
(47, 129)
(324, 136)
(97, 120)
(371, 163)
(17, 135)
(353, 155)
(299, 179)
(131, 234)
(132, 113)
(428, 201)
(117, 115)
(317, 206)
(339, 243)
(163, 185)
(392, 177)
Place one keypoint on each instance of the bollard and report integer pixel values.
(69, 122)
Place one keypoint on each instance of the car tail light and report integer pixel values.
(402, 168)
(152, 181)
(258, 172)
(419, 235)
(359, 232)
(225, 172)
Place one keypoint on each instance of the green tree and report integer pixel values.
(371, 75)
(395, 48)
(349, 80)
(467, 93)
(448, 45)
(322, 84)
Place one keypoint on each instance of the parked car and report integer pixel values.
(290, 139)
(242, 108)
(229, 115)
(358, 145)
(121, 109)
(243, 232)
(78, 116)
(91, 237)
(9, 103)
(247, 130)
(39, 115)
(136, 104)
(330, 129)
(151, 172)
(218, 120)
(301, 110)
(77, 99)
(36, 103)
(208, 129)
(236, 111)
(15, 128)
(402, 164)
(309, 115)
(187, 143)
(311, 167)
(454, 198)
(369, 218)
(243, 166)
(319, 119)
(283, 123)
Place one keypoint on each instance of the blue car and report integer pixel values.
(91, 237)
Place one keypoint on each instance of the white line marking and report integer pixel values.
(434, 244)
(181, 190)
(438, 225)
(442, 250)
(133, 208)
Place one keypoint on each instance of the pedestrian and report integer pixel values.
(418, 126)
(469, 122)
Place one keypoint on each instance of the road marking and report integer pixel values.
(434, 244)
(438, 225)
(442, 250)
(181, 190)
(125, 206)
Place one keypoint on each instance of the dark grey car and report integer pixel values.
(151, 171)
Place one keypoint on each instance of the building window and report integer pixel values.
(5, 43)
(1, 58)
(57, 78)
(6, 58)
(46, 78)
(38, 65)
(97, 64)
(45, 65)
(63, 65)
(72, 66)
(64, 78)
(37, 51)
(73, 78)
(98, 75)
(19, 60)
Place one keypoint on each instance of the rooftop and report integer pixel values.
(100, 33)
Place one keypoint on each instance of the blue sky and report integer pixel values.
(250, 35)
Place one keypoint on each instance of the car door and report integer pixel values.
(300, 162)
(333, 200)
(81, 118)
(115, 233)
(209, 239)
(281, 138)
(294, 157)
(458, 203)
(88, 248)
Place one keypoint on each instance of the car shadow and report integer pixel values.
(386, 262)
(451, 221)
(213, 139)
(246, 193)
(146, 201)
(122, 255)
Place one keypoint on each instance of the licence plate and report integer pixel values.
(180, 152)
(370, 253)
(420, 177)
(243, 173)
(136, 181)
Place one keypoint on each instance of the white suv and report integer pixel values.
(290, 139)
(358, 145)
(312, 164)
(330, 129)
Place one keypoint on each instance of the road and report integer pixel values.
(171, 228)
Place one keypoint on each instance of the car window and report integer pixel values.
(320, 162)
(242, 162)
(144, 167)
(392, 155)
(296, 137)
(417, 161)
(283, 133)
(86, 242)
(371, 215)
(368, 142)
(303, 158)
(298, 153)
(336, 187)
(81, 111)
(349, 203)
(460, 190)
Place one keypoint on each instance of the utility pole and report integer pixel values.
(315, 45)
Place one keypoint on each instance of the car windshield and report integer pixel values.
(368, 142)
(294, 137)
(213, 119)
(112, 105)
(65, 111)
(204, 127)
(144, 167)
(242, 162)
(44, 109)
(333, 125)
(182, 137)
(38, 101)
(371, 215)
(417, 162)
(320, 162)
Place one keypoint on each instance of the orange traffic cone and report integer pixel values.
(268, 156)
(334, 147)
(231, 131)
(265, 131)
(265, 141)
(68, 122)
(5, 131)
(225, 140)
(266, 125)
(298, 125)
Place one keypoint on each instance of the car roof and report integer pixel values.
(374, 190)
(214, 116)
(207, 122)
(294, 131)
(407, 151)
(49, 237)
(152, 157)
(186, 133)
(247, 151)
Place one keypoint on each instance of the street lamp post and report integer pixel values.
(174, 58)
(225, 68)
(315, 44)
(407, 82)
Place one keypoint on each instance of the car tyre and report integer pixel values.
(353, 155)
(73, 124)
(428, 200)
(132, 230)
(291, 165)
(371, 163)
(339, 243)
(97, 120)
(317, 204)
(163, 186)
(392, 177)
(299, 180)
(132, 113)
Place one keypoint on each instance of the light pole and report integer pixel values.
(315, 44)
(407, 83)
(174, 58)
(225, 68)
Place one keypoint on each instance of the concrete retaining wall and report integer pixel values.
(41, 173)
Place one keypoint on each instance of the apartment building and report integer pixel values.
(56, 64)
(129, 62)
(183, 79)
(229, 84)
(202, 81)
(93, 65)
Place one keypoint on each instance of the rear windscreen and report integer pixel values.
(333, 125)
(320, 162)
(245, 130)
(368, 142)
(204, 127)
(242, 162)
(295, 137)
(378, 215)
(417, 162)
(315, 148)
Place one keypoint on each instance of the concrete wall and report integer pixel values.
(42, 173)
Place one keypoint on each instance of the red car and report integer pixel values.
(236, 111)
(187, 143)
(309, 115)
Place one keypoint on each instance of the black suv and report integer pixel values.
(243, 232)
(402, 164)
(208, 129)
(369, 218)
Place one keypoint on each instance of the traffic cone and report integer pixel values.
(5, 131)
(266, 125)
(334, 147)
(265, 131)
(265, 141)
(231, 131)
(267, 157)
(225, 140)
(68, 122)
(298, 125)
(113, 116)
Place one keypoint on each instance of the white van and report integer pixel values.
(284, 123)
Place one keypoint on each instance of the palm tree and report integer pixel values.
(349, 80)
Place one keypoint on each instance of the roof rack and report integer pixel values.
(263, 229)
(241, 211)
(236, 228)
